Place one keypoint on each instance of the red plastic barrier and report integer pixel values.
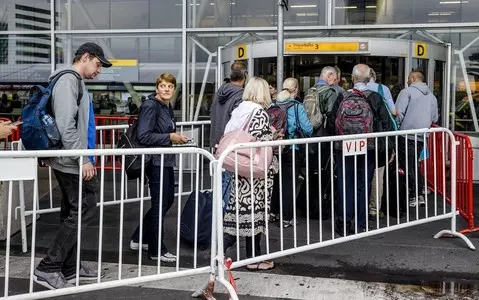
(107, 139)
(439, 156)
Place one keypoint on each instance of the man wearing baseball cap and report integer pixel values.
(73, 111)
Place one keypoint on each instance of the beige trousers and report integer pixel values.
(377, 180)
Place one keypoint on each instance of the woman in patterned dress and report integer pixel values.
(254, 195)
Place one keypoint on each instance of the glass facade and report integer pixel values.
(38, 36)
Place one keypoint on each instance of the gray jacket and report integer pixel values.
(74, 134)
(416, 107)
(227, 98)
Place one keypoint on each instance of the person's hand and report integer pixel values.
(6, 129)
(280, 136)
(175, 138)
(89, 171)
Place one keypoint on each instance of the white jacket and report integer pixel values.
(240, 115)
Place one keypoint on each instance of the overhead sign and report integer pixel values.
(319, 47)
(120, 71)
(420, 50)
(241, 52)
(355, 147)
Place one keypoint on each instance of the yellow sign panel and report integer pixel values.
(241, 52)
(324, 47)
(123, 62)
(420, 50)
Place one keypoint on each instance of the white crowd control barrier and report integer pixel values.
(23, 166)
(107, 138)
(339, 167)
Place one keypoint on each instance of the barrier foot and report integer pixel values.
(230, 288)
(456, 234)
(206, 292)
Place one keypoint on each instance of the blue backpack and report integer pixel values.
(39, 129)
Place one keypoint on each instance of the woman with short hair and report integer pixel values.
(157, 128)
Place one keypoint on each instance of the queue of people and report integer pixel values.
(242, 102)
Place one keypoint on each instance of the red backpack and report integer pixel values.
(278, 117)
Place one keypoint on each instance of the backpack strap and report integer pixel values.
(80, 87)
(79, 80)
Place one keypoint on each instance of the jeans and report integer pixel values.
(152, 217)
(62, 253)
(411, 151)
(226, 188)
(351, 191)
(230, 240)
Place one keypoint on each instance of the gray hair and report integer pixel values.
(361, 73)
(326, 71)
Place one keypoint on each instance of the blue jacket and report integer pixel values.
(304, 124)
(155, 123)
(91, 131)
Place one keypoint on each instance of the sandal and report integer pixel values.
(264, 265)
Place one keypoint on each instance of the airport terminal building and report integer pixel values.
(197, 40)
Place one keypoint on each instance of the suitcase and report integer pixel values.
(205, 214)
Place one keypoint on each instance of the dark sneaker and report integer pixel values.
(51, 281)
(86, 274)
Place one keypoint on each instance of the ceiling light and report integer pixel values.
(371, 6)
(304, 6)
(346, 7)
(453, 2)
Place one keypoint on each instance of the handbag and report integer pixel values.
(259, 159)
(133, 164)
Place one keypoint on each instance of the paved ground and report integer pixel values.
(407, 256)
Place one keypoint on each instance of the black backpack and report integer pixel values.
(133, 163)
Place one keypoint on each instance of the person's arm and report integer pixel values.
(389, 99)
(146, 127)
(304, 124)
(402, 104)
(380, 112)
(435, 114)
(331, 117)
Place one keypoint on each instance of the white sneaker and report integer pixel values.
(420, 201)
(135, 246)
(167, 257)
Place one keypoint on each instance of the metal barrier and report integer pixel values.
(404, 206)
(23, 166)
(108, 137)
(440, 155)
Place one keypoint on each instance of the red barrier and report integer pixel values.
(439, 158)
(107, 139)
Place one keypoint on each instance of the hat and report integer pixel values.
(94, 49)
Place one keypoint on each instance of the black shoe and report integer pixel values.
(339, 229)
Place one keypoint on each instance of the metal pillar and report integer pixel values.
(69, 59)
(462, 62)
(52, 36)
(282, 4)
(184, 61)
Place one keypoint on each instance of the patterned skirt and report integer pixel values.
(251, 209)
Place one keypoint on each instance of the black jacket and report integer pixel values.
(382, 120)
(227, 98)
(155, 123)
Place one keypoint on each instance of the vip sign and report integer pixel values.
(355, 147)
